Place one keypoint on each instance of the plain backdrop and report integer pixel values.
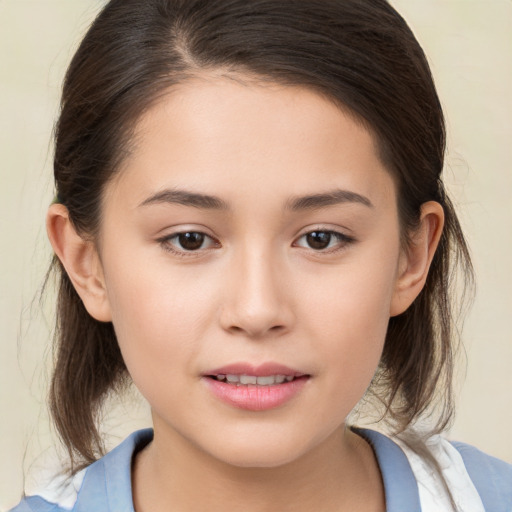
(469, 45)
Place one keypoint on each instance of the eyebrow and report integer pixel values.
(186, 198)
(294, 204)
(324, 199)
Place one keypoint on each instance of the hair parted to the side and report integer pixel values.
(361, 55)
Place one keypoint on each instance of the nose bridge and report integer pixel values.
(255, 302)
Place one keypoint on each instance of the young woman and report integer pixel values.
(250, 224)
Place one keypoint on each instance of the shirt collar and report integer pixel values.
(400, 486)
(108, 480)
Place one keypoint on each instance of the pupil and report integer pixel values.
(318, 239)
(191, 241)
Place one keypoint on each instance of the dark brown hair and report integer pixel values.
(361, 55)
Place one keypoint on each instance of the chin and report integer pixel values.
(268, 458)
(266, 451)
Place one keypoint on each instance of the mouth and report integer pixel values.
(245, 380)
(255, 388)
(244, 374)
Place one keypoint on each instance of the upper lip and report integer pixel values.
(262, 370)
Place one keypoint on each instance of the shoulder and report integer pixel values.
(417, 479)
(103, 484)
(476, 481)
(59, 494)
(491, 476)
(36, 504)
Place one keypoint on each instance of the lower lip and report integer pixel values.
(253, 397)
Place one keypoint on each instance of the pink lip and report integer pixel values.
(253, 397)
(263, 370)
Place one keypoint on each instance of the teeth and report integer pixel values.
(268, 380)
(248, 379)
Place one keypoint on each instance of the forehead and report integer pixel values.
(227, 137)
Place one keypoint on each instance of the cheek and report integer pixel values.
(353, 301)
(159, 317)
(348, 319)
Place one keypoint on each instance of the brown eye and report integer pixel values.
(318, 239)
(324, 240)
(191, 241)
(187, 242)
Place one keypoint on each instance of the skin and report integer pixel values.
(255, 291)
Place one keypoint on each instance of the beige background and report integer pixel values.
(469, 44)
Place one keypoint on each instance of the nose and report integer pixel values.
(257, 300)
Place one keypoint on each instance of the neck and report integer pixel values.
(339, 474)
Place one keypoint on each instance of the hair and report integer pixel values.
(359, 54)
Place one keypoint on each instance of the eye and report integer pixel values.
(187, 241)
(322, 240)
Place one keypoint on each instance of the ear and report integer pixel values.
(415, 260)
(81, 261)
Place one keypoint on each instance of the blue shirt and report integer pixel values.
(106, 486)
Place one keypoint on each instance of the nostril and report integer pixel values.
(254, 332)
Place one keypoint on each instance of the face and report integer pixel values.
(252, 226)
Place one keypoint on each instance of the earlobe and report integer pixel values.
(415, 262)
(81, 261)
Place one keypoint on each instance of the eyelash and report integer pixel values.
(343, 240)
(165, 242)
